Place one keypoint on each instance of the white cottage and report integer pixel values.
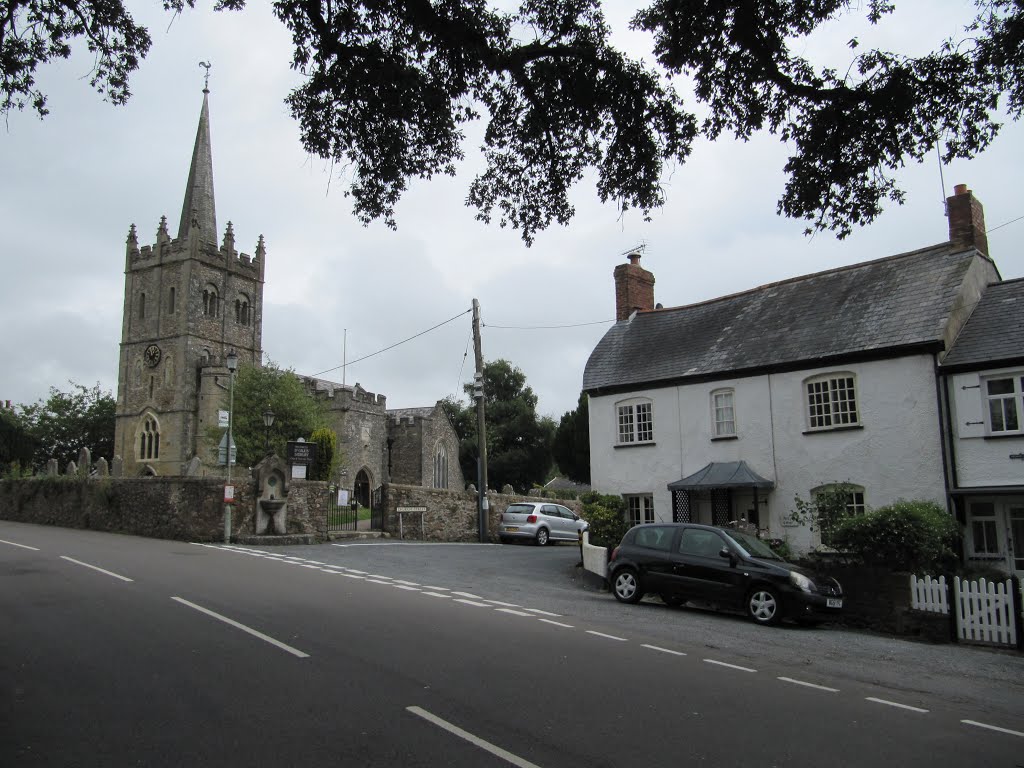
(727, 409)
(983, 384)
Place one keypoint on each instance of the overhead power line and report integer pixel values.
(546, 327)
(396, 344)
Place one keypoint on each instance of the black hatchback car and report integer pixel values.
(729, 568)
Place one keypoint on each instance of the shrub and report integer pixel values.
(918, 536)
(326, 444)
(607, 518)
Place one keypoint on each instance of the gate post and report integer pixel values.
(954, 611)
(1017, 601)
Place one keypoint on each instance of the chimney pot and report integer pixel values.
(634, 258)
(960, 189)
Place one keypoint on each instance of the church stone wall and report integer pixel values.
(186, 509)
(448, 515)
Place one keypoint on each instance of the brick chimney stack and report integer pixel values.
(634, 288)
(966, 220)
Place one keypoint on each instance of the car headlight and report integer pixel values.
(801, 582)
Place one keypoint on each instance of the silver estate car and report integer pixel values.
(540, 522)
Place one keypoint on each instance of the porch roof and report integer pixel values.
(722, 474)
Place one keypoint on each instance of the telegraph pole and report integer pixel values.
(481, 424)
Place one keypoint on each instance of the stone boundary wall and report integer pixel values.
(449, 515)
(182, 508)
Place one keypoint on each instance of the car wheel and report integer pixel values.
(542, 537)
(672, 601)
(764, 606)
(626, 586)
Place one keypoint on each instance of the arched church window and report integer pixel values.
(242, 309)
(211, 302)
(149, 438)
(441, 466)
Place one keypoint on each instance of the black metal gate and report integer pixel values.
(340, 517)
(354, 516)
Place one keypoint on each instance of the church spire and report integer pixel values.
(198, 211)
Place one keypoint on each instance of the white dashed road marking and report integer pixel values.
(730, 666)
(557, 623)
(895, 704)
(976, 724)
(23, 546)
(249, 630)
(610, 637)
(514, 612)
(472, 602)
(809, 685)
(663, 650)
(505, 755)
(95, 568)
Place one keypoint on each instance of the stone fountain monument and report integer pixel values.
(272, 499)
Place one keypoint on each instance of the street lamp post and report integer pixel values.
(232, 363)
(268, 422)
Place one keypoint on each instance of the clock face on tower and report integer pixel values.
(152, 355)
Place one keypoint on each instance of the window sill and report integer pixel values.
(987, 558)
(633, 445)
(725, 437)
(1004, 436)
(826, 430)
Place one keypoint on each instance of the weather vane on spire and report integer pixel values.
(206, 78)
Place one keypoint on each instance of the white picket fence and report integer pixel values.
(984, 610)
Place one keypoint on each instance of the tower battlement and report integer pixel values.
(166, 250)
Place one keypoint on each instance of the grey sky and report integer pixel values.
(75, 182)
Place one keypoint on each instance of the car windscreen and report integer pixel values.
(752, 545)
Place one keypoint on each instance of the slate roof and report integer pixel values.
(872, 307)
(722, 474)
(995, 330)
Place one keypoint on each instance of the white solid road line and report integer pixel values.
(96, 568)
(809, 685)
(992, 727)
(250, 630)
(663, 650)
(505, 755)
(23, 546)
(895, 704)
(730, 666)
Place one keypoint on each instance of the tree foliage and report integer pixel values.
(571, 446)
(296, 413)
(518, 440)
(17, 446)
(390, 88)
(66, 422)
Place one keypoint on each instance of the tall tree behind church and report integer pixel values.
(66, 422)
(518, 440)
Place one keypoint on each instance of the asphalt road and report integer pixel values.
(118, 651)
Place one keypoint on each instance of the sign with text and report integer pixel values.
(342, 497)
(222, 419)
(302, 453)
(298, 471)
(229, 494)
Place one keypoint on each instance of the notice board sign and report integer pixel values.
(301, 453)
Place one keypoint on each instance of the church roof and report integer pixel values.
(199, 210)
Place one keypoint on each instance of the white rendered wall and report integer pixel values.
(981, 460)
(896, 454)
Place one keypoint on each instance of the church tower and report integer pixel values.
(188, 302)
